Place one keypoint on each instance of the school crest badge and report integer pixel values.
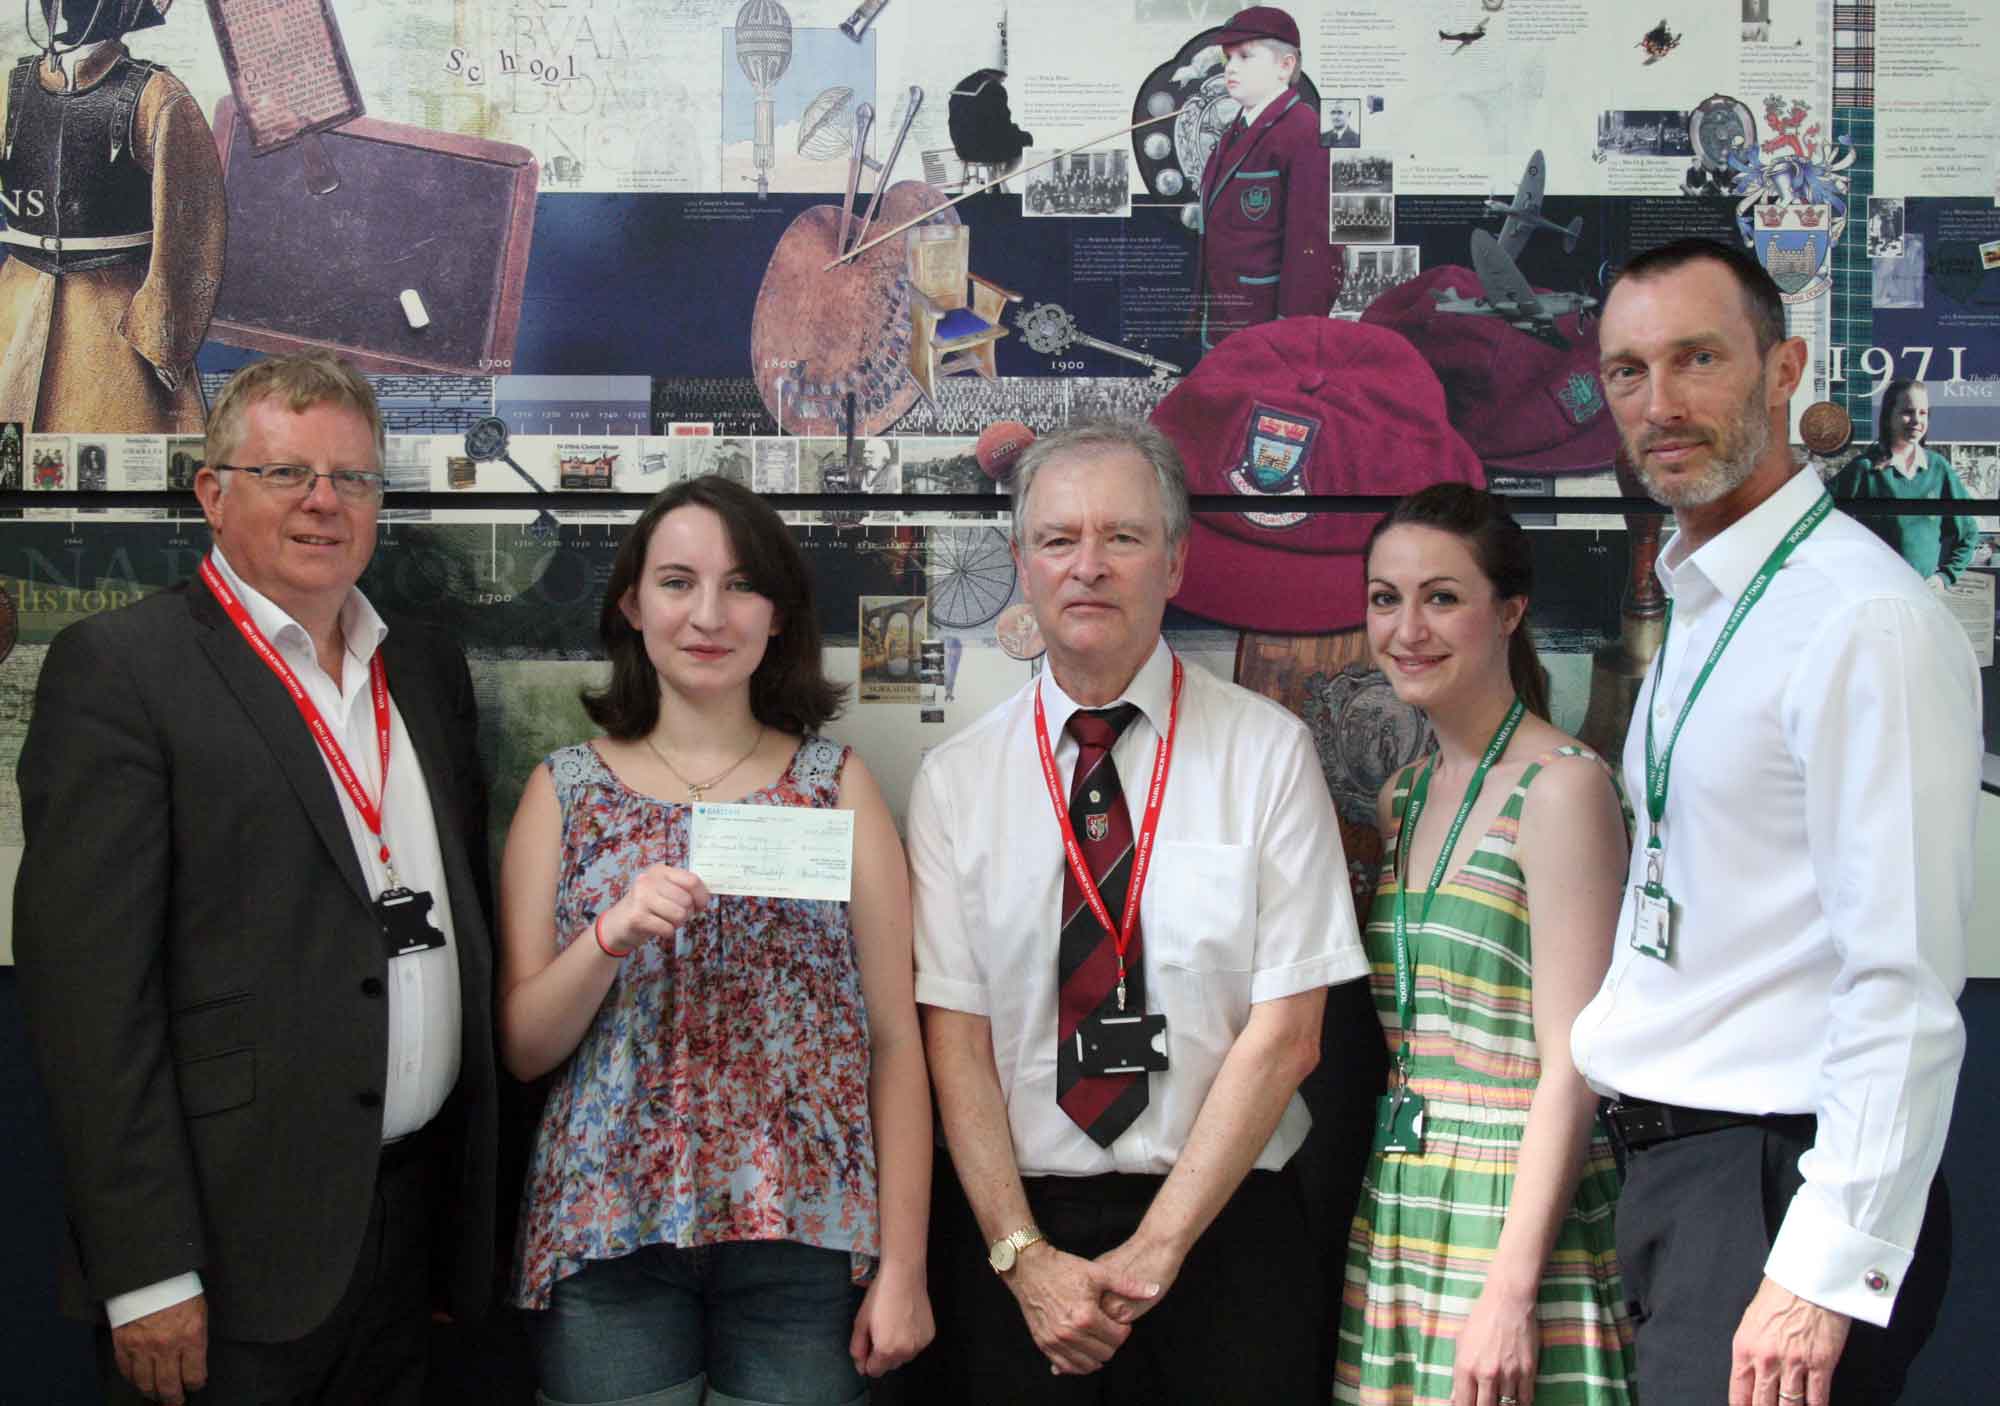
(1794, 242)
(1581, 397)
(1276, 449)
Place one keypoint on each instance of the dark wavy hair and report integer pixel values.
(789, 690)
(1500, 546)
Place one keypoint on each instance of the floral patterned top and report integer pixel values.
(721, 1092)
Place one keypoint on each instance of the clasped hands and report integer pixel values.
(1080, 1311)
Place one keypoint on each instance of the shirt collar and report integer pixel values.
(360, 624)
(1151, 689)
(1731, 559)
(1251, 114)
(82, 68)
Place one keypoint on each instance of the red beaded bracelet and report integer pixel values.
(597, 930)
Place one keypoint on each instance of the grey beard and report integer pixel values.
(1724, 475)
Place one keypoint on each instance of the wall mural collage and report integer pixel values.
(857, 256)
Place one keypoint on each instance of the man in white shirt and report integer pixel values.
(250, 923)
(1118, 1084)
(1778, 1023)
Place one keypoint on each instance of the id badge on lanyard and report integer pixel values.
(1129, 1042)
(1652, 905)
(402, 915)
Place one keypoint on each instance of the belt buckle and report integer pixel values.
(51, 243)
(1631, 1128)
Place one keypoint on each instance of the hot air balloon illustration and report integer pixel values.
(764, 52)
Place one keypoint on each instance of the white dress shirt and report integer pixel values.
(1818, 843)
(1246, 899)
(1251, 114)
(424, 1016)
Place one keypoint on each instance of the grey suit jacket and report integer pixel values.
(203, 976)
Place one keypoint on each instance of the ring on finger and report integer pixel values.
(1507, 1401)
(1784, 1395)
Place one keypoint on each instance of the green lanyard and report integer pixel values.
(1657, 762)
(1406, 977)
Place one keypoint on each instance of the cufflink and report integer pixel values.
(1877, 1281)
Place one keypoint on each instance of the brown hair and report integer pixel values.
(789, 690)
(1500, 546)
(1893, 397)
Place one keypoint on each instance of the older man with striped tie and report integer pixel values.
(1130, 900)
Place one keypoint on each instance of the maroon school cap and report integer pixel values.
(1302, 405)
(1525, 406)
(1259, 22)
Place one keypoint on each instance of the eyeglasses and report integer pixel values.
(296, 480)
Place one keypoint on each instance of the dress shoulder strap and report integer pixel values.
(1536, 767)
(816, 768)
(574, 768)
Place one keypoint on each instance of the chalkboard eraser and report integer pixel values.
(413, 310)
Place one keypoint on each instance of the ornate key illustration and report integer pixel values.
(1049, 329)
(486, 443)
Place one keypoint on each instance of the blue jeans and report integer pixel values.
(766, 1321)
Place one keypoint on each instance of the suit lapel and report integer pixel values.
(424, 722)
(420, 720)
(276, 718)
(1266, 120)
(1235, 138)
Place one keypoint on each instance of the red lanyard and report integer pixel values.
(329, 746)
(1142, 848)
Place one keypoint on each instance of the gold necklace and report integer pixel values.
(698, 789)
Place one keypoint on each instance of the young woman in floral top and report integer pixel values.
(702, 1207)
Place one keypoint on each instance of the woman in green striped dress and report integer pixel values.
(1480, 1268)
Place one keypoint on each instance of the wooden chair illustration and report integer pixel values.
(947, 336)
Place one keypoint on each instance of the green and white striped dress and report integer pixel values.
(1428, 1224)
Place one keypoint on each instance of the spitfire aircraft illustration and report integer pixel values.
(1509, 295)
(1524, 213)
(1464, 37)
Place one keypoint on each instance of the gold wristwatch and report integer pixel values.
(1005, 1250)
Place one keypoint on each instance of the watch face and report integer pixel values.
(1002, 1256)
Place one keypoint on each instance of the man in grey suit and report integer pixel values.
(251, 930)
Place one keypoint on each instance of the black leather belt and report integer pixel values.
(61, 260)
(1637, 1124)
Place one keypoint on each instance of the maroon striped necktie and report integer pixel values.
(1102, 1105)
